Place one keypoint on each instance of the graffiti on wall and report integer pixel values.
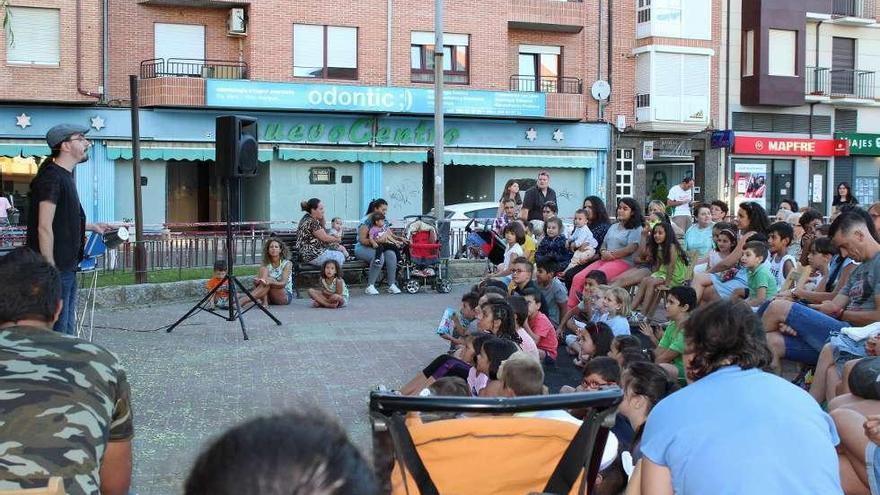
(404, 193)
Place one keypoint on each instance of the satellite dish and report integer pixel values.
(600, 90)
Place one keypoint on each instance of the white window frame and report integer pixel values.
(25, 33)
(779, 62)
(624, 178)
(326, 53)
(749, 53)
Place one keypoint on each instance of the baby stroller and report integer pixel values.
(421, 264)
(529, 453)
(490, 243)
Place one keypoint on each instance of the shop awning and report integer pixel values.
(453, 156)
(173, 151)
(24, 148)
(352, 155)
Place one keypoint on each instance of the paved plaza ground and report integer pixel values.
(192, 384)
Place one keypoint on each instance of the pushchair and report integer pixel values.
(421, 264)
(528, 454)
(490, 244)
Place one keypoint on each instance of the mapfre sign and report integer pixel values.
(790, 147)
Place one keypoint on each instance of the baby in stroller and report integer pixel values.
(381, 238)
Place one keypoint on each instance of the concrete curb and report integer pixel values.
(122, 296)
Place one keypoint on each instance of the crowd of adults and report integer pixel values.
(705, 406)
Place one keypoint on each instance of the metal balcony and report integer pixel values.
(818, 81)
(182, 67)
(852, 84)
(544, 84)
(853, 11)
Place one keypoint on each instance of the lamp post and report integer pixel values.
(439, 202)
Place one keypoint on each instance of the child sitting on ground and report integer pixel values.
(445, 365)
(464, 321)
(553, 291)
(616, 306)
(779, 237)
(761, 283)
(582, 243)
(577, 317)
(540, 328)
(627, 349)
(494, 352)
(336, 229)
(670, 269)
(599, 372)
(381, 238)
(670, 349)
(333, 292)
(514, 235)
(521, 315)
(724, 235)
(553, 246)
(530, 242)
(220, 299)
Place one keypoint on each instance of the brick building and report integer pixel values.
(343, 94)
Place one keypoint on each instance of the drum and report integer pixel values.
(115, 238)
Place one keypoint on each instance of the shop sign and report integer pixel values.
(361, 131)
(861, 144)
(673, 148)
(790, 146)
(345, 98)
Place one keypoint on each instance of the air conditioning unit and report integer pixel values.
(236, 25)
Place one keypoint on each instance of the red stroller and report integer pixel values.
(422, 264)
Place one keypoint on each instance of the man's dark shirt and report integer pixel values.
(55, 184)
(534, 202)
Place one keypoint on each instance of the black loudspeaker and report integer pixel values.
(237, 147)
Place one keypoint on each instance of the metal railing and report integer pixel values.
(853, 8)
(852, 82)
(546, 84)
(817, 81)
(183, 67)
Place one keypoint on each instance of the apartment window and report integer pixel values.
(539, 69)
(326, 52)
(643, 12)
(749, 54)
(782, 52)
(623, 182)
(681, 84)
(36, 38)
(455, 57)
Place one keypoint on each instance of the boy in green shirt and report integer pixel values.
(762, 283)
(669, 354)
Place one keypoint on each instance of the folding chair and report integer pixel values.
(528, 454)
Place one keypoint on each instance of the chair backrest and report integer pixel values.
(55, 487)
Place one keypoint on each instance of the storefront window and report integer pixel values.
(866, 183)
(16, 174)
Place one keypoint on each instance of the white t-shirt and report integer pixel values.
(4, 205)
(512, 253)
(676, 193)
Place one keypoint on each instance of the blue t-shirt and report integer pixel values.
(743, 432)
(697, 239)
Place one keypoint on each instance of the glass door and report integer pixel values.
(817, 198)
(782, 179)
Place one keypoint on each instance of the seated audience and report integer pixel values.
(762, 284)
(540, 328)
(696, 440)
(66, 403)
(779, 238)
(680, 302)
(552, 248)
(333, 292)
(494, 352)
(552, 290)
(297, 453)
(274, 283)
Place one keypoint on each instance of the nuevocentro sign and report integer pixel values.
(361, 131)
(861, 144)
(232, 93)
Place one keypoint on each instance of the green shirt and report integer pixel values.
(673, 339)
(761, 277)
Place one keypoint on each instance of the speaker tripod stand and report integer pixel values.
(235, 312)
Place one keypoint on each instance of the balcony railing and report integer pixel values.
(182, 67)
(818, 81)
(853, 8)
(544, 84)
(852, 83)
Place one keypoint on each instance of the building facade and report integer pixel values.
(343, 94)
(802, 101)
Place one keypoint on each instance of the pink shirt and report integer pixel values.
(528, 343)
(476, 381)
(543, 328)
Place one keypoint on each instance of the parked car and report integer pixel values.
(460, 214)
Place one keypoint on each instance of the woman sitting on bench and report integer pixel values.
(314, 244)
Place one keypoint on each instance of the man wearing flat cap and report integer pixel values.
(57, 222)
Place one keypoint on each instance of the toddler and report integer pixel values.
(220, 299)
(381, 238)
(762, 284)
(553, 246)
(582, 241)
(336, 230)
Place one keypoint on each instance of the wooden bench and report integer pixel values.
(349, 240)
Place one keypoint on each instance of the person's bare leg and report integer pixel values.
(700, 282)
(843, 388)
(826, 359)
(776, 343)
(844, 400)
(853, 442)
(259, 294)
(336, 300)
(415, 385)
(849, 478)
(631, 277)
(776, 313)
(710, 294)
(640, 294)
(865, 407)
(670, 370)
(832, 385)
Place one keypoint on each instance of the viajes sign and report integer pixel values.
(361, 131)
(861, 144)
(317, 97)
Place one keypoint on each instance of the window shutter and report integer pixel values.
(36, 36)
(643, 73)
(845, 121)
(666, 97)
(695, 82)
(179, 41)
(342, 47)
(308, 50)
(782, 52)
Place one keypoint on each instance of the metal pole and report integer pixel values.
(140, 252)
(439, 202)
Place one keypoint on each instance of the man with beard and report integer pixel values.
(57, 222)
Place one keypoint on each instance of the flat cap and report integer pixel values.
(62, 132)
